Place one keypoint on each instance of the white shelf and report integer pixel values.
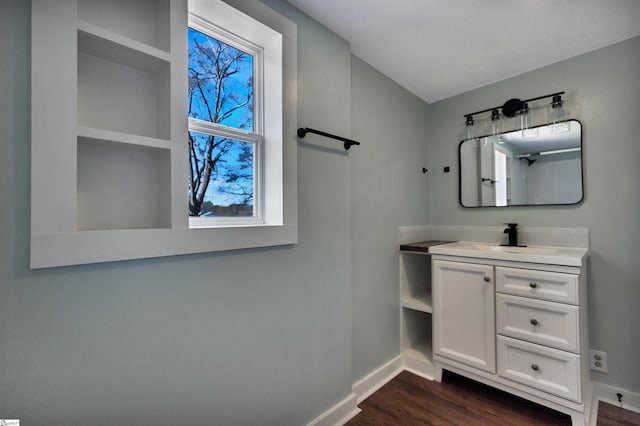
(106, 136)
(118, 48)
(421, 302)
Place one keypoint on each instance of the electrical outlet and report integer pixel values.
(598, 360)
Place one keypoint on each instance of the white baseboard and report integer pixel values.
(364, 387)
(346, 409)
(339, 414)
(607, 393)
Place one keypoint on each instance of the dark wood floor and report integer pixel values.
(411, 400)
(610, 415)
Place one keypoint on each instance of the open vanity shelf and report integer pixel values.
(416, 306)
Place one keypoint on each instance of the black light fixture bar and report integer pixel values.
(510, 103)
(302, 132)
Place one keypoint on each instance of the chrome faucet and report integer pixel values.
(512, 231)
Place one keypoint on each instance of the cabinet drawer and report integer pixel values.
(538, 321)
(547, 369)
(554, 286)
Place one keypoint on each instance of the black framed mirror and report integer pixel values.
(537, 166)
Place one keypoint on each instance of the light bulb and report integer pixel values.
(523, 116)
(470, 130)
(495, 122)
(557, 116)
(522, 119)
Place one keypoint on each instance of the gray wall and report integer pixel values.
(248, 337)
(388, 189)
(267, 336)
(602, 88)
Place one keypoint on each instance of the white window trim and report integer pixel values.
(231, 26)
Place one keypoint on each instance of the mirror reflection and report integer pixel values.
(536, 166)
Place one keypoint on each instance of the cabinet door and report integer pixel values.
(464, 313)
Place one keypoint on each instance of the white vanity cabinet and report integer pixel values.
(518, 325)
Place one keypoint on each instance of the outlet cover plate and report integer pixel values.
(598, 360)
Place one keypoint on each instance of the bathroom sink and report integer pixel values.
(536, 254)
(515, 249)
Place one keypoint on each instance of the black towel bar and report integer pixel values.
(302, 132)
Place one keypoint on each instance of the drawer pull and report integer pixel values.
(534, 321)
(535, 367)
(533, 285)
(487, 279)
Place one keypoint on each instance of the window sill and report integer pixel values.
(223, 222)
(84, 247)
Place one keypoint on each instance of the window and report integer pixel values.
(224, 130)
(110, 165)
(234, 73)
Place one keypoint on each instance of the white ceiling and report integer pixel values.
(441, 48)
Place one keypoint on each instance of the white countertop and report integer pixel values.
(569, 256)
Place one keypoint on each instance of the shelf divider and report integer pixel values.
(420, 303)
(123, 138)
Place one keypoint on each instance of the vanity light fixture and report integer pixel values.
(520, 109)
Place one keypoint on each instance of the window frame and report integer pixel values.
(230, 26)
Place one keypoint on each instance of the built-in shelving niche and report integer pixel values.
(124, 115)
(415, 281)
(106, 89)
(121, 88)
(122, 186)
(416, 336)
